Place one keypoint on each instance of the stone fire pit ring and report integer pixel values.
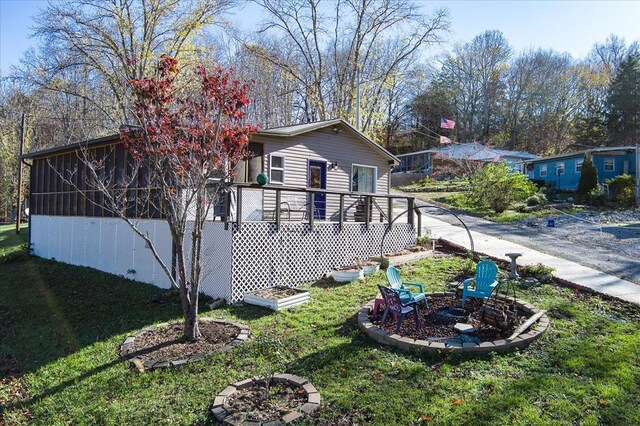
(409, 344)
(128, 352)
(223, 415)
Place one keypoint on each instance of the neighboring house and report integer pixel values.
(447, 160)
(563, 171)
(327, 176)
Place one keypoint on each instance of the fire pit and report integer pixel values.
(446, 326)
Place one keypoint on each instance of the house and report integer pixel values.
(562, 172)
(330, 181)
(448, 160)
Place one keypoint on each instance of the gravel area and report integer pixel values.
(615, 231)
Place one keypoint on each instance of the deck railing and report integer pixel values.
(367, 206)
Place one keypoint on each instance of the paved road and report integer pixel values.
(492, 237)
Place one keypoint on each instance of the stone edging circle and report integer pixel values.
(222, 414)
(409, 344)
(127, 352)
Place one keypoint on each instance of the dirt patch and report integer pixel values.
(277, 293)
(167, 342)
(347, 268)
(283, 398)
(435, 325)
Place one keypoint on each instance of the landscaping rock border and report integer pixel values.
(219, 409)
(429, 346)
(127, 352)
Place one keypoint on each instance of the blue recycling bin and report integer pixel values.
(551, 223)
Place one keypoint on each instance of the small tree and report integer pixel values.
(183, 139)
(497, 186)
(588, 178)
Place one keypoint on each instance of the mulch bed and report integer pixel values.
(283, 398)
(277, 293)
(435, 326)
(167, 342)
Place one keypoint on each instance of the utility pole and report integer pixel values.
(19, 207)
(638, 175)
(358, 98)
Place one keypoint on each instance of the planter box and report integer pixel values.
(278, 304)
(371, 269)
(348, 276)
(404, 258)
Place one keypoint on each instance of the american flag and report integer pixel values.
(444, 140)
(447, 124)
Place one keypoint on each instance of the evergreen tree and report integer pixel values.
(588, 177)
(624, 103)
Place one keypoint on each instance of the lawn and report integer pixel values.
(62, 325)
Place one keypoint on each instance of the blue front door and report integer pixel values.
(317, 179)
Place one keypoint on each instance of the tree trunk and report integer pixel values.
(191, 327)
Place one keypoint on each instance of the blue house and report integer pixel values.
(563, 171)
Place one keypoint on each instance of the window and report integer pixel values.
(609, 165)
(560, 168)
(276, 168)
(543, 170)
(579, 166)
(363, 178)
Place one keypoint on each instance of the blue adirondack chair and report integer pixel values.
(485, 281)
(393, 304)
(408, 291)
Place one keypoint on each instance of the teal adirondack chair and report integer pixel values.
(408, 291)
(485, 281)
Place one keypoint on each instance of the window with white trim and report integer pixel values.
(363, 178)
(560, 168)
(609, 165)
(543, 170)
(579, 166)
(276, 169)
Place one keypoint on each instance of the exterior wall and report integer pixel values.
(570, 179)
(109, 245)
(323, 145)
(264, 257)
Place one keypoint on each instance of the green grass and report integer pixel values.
(11, 244)
(61, 327)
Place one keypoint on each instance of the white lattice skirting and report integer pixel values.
(263, 257)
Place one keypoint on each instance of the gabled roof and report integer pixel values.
(289, 131)
(278, 132)
(578, 153)
(473, 151)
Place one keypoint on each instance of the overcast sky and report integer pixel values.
(565, 26)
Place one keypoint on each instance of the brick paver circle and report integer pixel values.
(129, 353)
(222, 414)
(431, 346)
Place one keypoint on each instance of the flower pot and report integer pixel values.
(345, 275)
(370, 269)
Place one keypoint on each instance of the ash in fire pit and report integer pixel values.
(453, 313)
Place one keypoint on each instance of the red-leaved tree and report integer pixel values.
(183, 147)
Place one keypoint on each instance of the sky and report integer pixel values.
(564, 26)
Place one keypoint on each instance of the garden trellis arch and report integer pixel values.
(424, 206)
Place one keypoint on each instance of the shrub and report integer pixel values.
(537, 199)
(497, 186)
(588, 178)
(597, 196)
(623, 190)
(522, 207)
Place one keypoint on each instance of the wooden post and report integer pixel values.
(278, 198)
(239, 208)
(311, 209)
(341, 212)
(410, 206)
(19, 206)
(389, 209)
(367, 211)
